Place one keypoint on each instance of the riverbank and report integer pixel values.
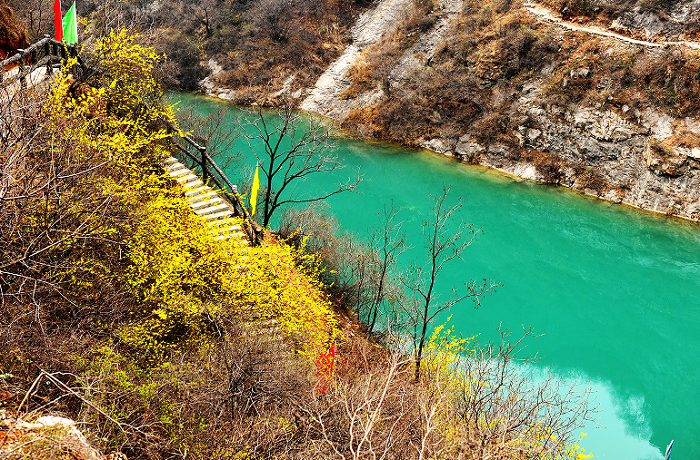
(522, 92)
(592, 277)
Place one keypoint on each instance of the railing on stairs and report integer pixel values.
(211, 171)
(45, 52)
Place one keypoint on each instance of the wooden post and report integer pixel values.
(59, 52)
(32, 65)
(47, 51)
(22, 81)
(203, 152)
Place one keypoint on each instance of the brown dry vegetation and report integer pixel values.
(607, 9)
(12, 34)
(376, 62)
(472, 83)
(259, 43)
(493, 47)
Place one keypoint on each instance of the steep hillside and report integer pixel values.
(125, 310)
(518, 88)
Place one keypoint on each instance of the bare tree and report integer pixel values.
(360, 273)
(36, 16)
(443, 244)
(387, 244)
(368, 414)
(481, 405)
(290, 153)
(275, 18)
(214, 129)
(514, 411)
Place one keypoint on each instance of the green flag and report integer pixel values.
(70, 26)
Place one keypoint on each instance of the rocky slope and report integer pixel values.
(325, 98)
(605, 113)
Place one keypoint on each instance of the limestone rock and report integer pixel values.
(468, 149)
(581, 72)
(604, 126)
(664, 161)
(437, 145)
(45, 436)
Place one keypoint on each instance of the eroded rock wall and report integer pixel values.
(637, 155)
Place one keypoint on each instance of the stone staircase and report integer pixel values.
(206, 202)
(219, 215)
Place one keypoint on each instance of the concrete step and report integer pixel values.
(193, 193)
(189, 179)
(215, 209)
(175, 166)
(206, 201)
(176, 172)
(204, 194)
(218, 216)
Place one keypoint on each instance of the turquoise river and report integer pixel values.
(614, 291)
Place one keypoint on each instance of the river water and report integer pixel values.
(614, 291)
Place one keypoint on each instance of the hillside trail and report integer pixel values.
(548, 15)
(370, 27)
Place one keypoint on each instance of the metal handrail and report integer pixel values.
(55, 51)
(208, 166)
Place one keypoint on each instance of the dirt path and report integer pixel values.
(548, 15)
(324, 98)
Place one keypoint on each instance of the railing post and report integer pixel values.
(203, 164)
(22, 81)
(47, 51)
(32, 65)
(236, 211)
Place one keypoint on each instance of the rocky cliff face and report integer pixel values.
(549, 104)
(652, 163)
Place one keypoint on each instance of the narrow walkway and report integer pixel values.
(546, 14)
(206, 202)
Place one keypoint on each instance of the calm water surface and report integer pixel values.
(614, 291)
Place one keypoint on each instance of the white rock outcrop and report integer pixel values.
(324, 98)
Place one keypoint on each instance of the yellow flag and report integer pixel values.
(254, 191)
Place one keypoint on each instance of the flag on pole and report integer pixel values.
(70, 26)
(324, 370)
(57, 21)
(254, 190)
(668, 451)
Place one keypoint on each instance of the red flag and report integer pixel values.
(324, 370)
(57, 20)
